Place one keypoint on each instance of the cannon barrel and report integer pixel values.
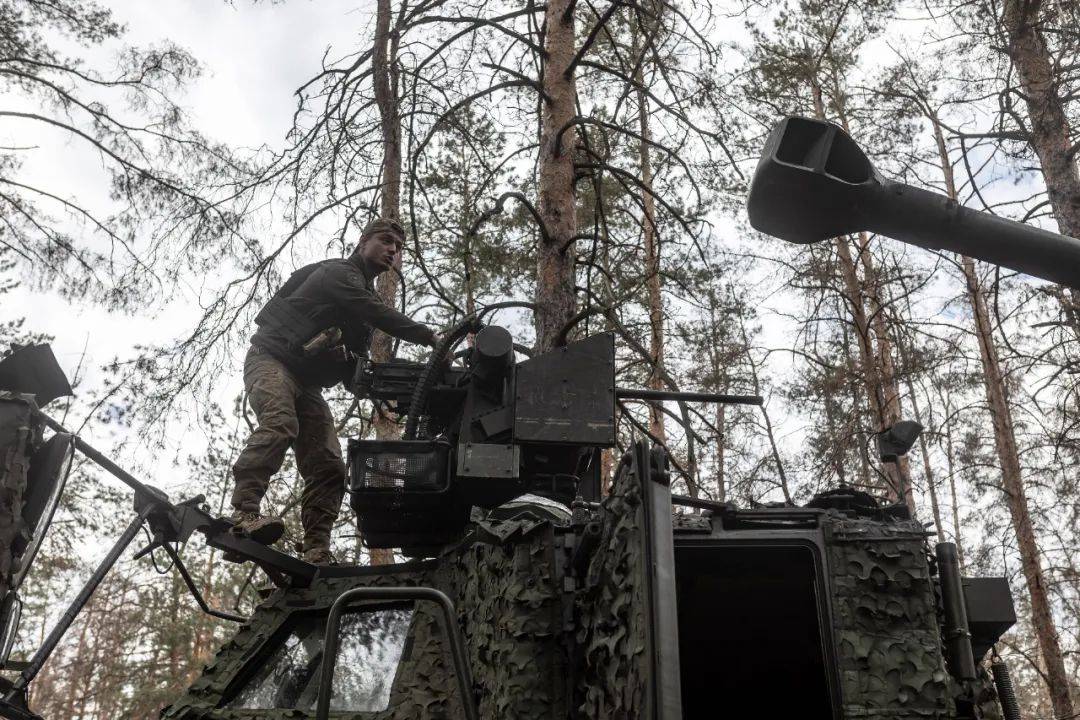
(814, 182)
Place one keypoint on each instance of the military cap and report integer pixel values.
(382, 224)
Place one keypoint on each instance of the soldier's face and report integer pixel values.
(382, 250)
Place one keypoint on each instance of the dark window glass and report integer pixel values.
(771, 636)
(368, 655)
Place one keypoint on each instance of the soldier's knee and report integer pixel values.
(266, 447)
(279, 427)
(329, 471)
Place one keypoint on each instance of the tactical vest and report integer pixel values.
(296, 329)
(285, 320)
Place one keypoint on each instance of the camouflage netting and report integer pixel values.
(508, 606)
(885, 627)
(421, 690)
(506, 581)
(984, 698)
(613, 628)
(511, 611)
(689, 523)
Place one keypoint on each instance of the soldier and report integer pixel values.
(309, 334)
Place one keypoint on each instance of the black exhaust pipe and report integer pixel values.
(813, 182)
(958, 649)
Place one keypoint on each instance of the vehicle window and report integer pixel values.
(371, 646)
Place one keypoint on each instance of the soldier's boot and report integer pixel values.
(263, 529)
(318, 553)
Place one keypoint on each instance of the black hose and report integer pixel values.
(503, 305)
(430, 374)
(1010, 708)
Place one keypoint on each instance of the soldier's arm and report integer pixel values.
(350, 291)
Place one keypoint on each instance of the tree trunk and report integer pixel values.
(652, 271)
(1050, 129)
(856, 413)
(1016, 499)
(853, 294)
(692, 486)
(950, 463)
(928, 468)
(384, 78)
(719, 377)
(931, 483)
(655, 302)
(882, 392)
(720, 374)
(899, 472)
(555, 299)
(1011, 473)
(204, 631)
(830, 428)
(465, 221)
(924, 449)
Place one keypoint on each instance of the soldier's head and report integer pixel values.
(380, 244)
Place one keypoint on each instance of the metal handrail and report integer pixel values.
(450, 626)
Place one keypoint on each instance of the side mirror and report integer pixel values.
(49, 467)
(33, 369)
(10, 615)
(896, 440)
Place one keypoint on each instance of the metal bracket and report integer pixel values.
(170, 523)
(488, 460)
(14, 707)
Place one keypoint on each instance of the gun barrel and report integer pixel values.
(643, 394)
(936, 222)
(814, 182)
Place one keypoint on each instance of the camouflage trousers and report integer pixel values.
(290, 414)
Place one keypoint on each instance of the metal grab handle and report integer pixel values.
(450, 626)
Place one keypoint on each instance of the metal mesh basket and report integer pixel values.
(398, 471)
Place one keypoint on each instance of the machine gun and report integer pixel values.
(482, 429)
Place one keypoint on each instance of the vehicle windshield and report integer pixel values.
(371, 647)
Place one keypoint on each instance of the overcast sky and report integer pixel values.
(253, 57)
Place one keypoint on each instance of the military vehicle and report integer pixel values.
(528, 590)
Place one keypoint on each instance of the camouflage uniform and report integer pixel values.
(285, 387)
(290, 414)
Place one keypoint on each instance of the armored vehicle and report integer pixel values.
(529, 590)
